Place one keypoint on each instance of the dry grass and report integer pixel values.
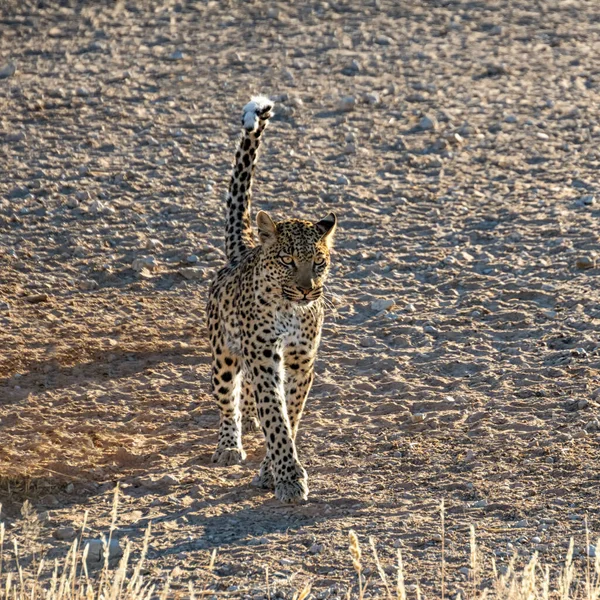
(72, 579)
(535, 582)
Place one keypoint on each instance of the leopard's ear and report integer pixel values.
(267, 232)
(327, 227)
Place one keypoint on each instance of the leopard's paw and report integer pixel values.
(292, 491)
(229, 456)
(258, 109)
(250, 425)
(264, 479)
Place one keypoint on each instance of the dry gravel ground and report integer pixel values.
(457, 141)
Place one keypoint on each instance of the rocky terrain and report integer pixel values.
(457, 140)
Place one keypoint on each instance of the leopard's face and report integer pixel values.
(297, 257)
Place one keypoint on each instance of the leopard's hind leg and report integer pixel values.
(226, 386)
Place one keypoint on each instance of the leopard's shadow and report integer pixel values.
(247, 526)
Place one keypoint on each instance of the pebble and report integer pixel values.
(153, 244)
(417, 418)
(588, 200)
(96, 550)
(347, 103)
(585, 262)
(353, 68)
(72, 202)
(372, 98)
(97, 207)
(315, 549)
(192, 259)
(410, 308)
(82, 92)
(64, 533)
(510, 119)
(469, 456)
(522, 523)
(177, 55)
(591, 551)
(82, 195)
(382, 305)
(536, 540)
(88, 285)
(342, 180)
(19, 136)
(149, 262)
(479, 504)
(8, 70)
(192, 273)
(428, 123)
(430, 329)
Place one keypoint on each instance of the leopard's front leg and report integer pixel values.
(289, 477)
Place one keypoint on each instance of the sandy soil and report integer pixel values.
(458, 143)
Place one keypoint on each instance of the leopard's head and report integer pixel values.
(296, 256)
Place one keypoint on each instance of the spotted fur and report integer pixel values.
(265, 313)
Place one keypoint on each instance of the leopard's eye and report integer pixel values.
(287, 260)
(319, 261)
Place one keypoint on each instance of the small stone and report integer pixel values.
(347, 103)
(192, 273)
(72, 202)
(428, 123)
(383, 40)
(177, 55)
(19, 192)
(192, 259)
(542, 136)
(417, 418)
(149, 262)
(96, 550)
(585, 262)
(510, 119)
(410, 308)
(588, 200)
(479, 504)
(64, 533)
(167, 481)
(430, 329)
(315, 549)
(521, 524)
(8, 70)
(88, 285)
(153, 244)
(469, 456)
(591, 551)
(382, 305)
(97, 207)
(82, 195)
(372, 98)
(19, 136)
(536, 540)
(82, 92)
(342, 180)
(352, 69)
(350, 149)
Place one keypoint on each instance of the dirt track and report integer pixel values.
(458, 144)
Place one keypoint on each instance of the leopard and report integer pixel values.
(265, 314)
